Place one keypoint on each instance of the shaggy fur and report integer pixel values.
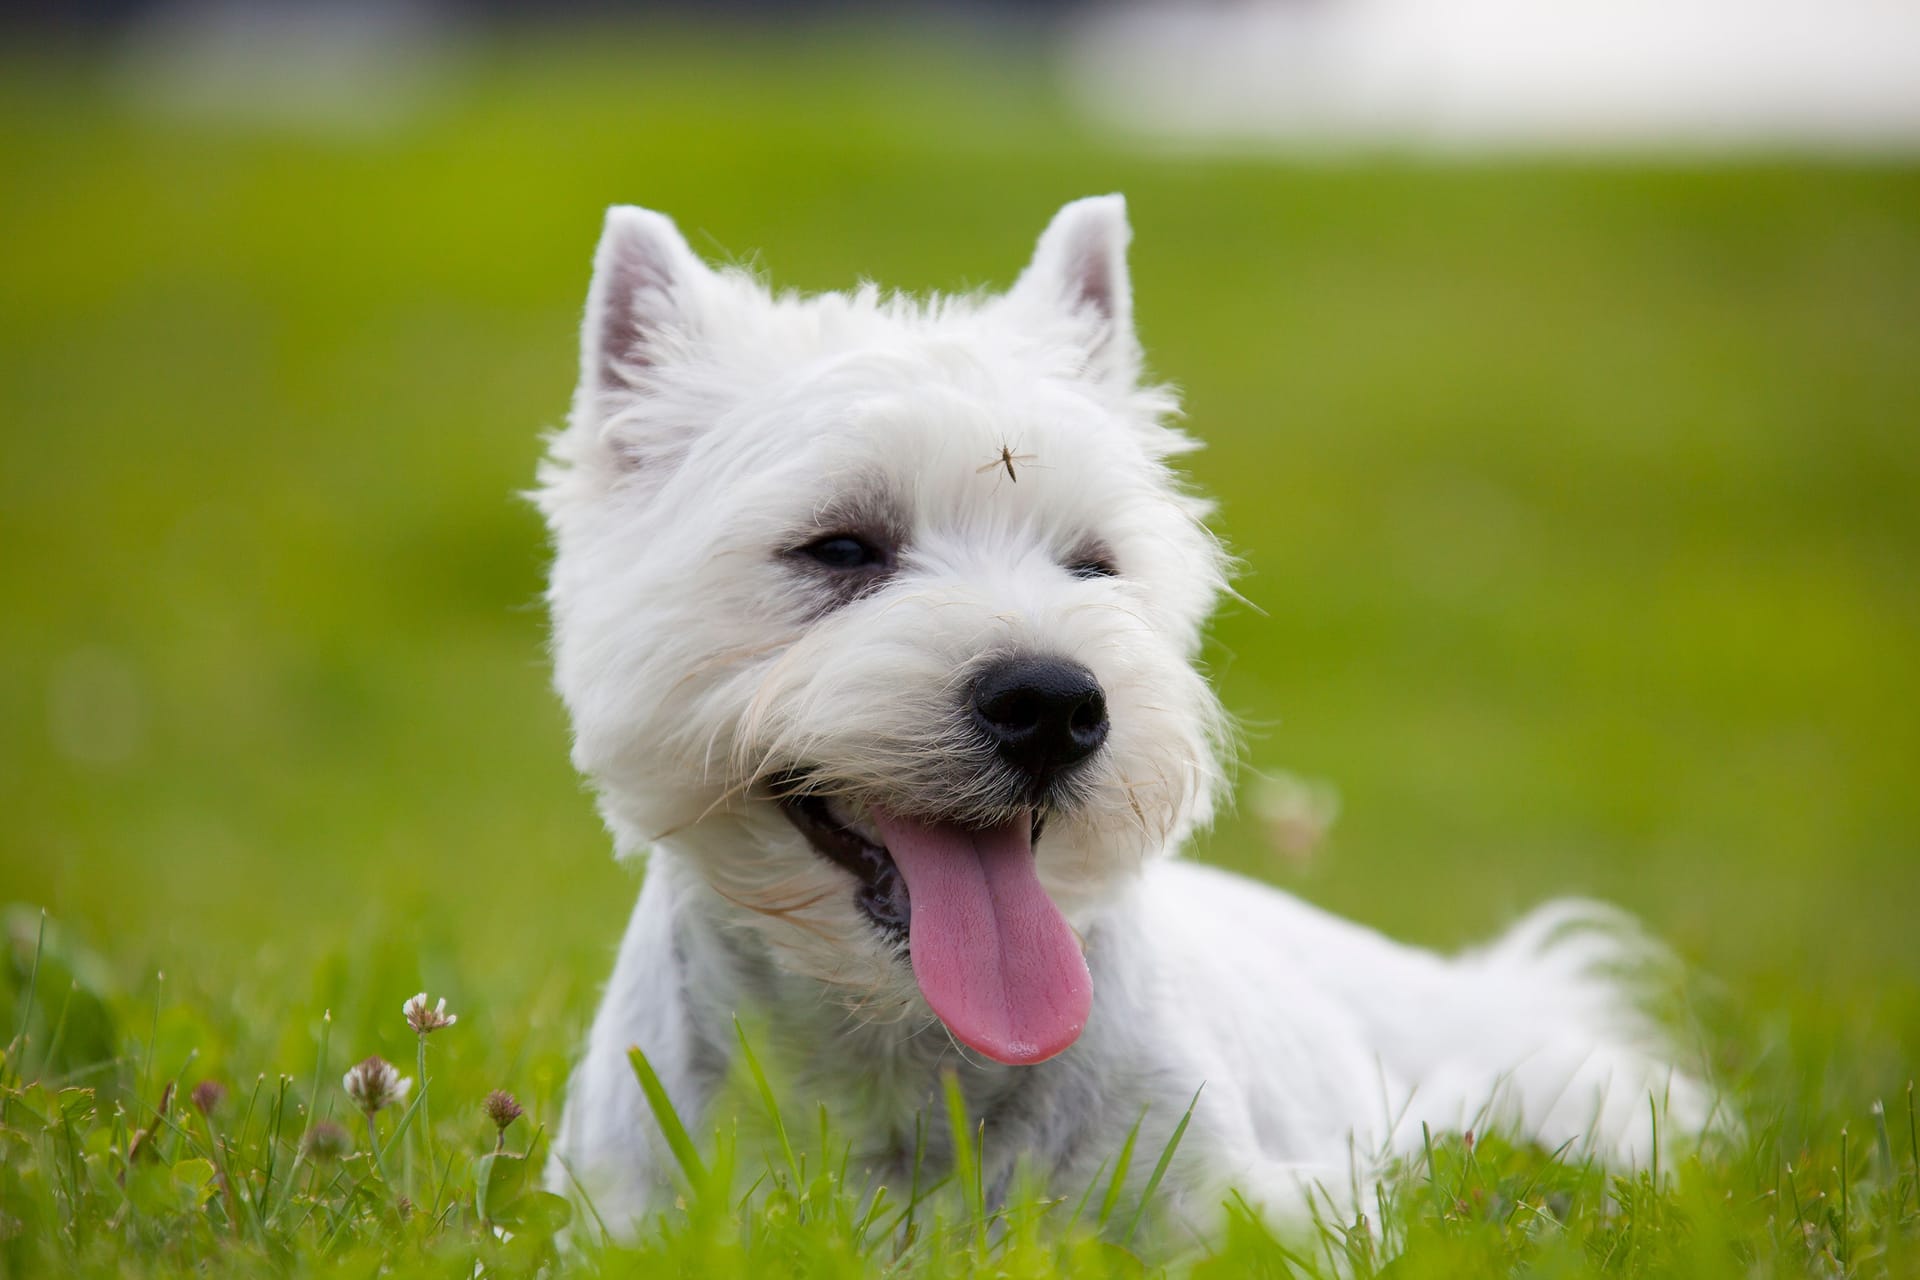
(997, 441)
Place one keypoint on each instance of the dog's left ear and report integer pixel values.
(1079, 269)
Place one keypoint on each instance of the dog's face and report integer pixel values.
(885, 613)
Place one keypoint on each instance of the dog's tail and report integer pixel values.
(1560, 1031)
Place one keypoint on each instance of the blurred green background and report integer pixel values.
(1579, 505)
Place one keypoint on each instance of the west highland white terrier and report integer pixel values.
(877, 619)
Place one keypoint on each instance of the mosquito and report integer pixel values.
(1007, 457)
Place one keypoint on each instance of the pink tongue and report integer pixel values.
(992, 954)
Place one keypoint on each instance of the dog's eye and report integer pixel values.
(844, 551)
(1093, 567)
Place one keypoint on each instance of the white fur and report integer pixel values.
(715, 427)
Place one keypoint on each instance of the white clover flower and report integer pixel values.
(374, 1085)
(424, 1020)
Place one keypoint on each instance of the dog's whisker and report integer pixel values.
(729, 657)
(1111, 606)
(720, 801)
(789, 914)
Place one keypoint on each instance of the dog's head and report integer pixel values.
(884, 612)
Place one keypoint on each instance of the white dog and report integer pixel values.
(877, 621)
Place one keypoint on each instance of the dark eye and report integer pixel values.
(844, 551)
(1093, 567)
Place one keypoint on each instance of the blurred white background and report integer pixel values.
(1532, 74)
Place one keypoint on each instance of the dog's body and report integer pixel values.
(877, 621)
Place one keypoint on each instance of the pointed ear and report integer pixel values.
(642, 274)
(1079, 270)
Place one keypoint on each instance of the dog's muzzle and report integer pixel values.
(955, 885)
(991, 953)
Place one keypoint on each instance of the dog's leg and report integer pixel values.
(609, 1150)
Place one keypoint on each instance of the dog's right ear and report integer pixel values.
(644, 276)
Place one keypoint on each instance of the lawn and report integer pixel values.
(1579, 507)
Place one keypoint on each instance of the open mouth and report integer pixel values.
(834, 835)
(995, 959)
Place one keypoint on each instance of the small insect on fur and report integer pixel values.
(1005, 458)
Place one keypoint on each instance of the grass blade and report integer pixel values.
(966, 1157)
(1160, 1168)
(1121, 1163)
(768, 1101)
(678, 1140)
(1080, 1206)
(33, 986)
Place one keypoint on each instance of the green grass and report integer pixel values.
(1578, 506)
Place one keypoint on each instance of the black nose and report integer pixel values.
(1041, 714)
